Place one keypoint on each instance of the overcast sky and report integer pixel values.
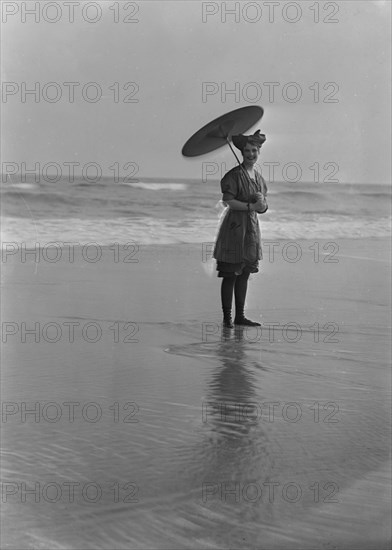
(170, 54)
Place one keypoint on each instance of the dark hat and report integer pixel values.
(256, 139)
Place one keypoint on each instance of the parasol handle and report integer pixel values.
(232, 150)
(239, 163)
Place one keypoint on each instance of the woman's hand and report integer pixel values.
(260, 205)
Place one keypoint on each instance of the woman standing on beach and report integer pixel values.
(238, 243)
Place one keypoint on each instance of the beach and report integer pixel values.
(141, 423)
(132, 419)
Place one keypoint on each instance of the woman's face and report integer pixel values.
(250, 153)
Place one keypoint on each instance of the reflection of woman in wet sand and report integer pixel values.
(236, 449)
(238, 244)
(232, 392)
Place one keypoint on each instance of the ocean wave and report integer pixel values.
(173, 211)
(25, 186)
(152, 230)
(158, 186)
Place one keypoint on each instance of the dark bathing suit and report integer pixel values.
(238, 243)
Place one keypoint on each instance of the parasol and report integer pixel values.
(219, 131)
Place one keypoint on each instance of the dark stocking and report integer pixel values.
(227, 299)
(227, 292)
(240, 288)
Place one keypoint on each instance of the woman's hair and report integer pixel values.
(240, 141)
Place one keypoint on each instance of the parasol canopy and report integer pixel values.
(218, 132)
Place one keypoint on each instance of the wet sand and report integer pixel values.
(191, 436)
